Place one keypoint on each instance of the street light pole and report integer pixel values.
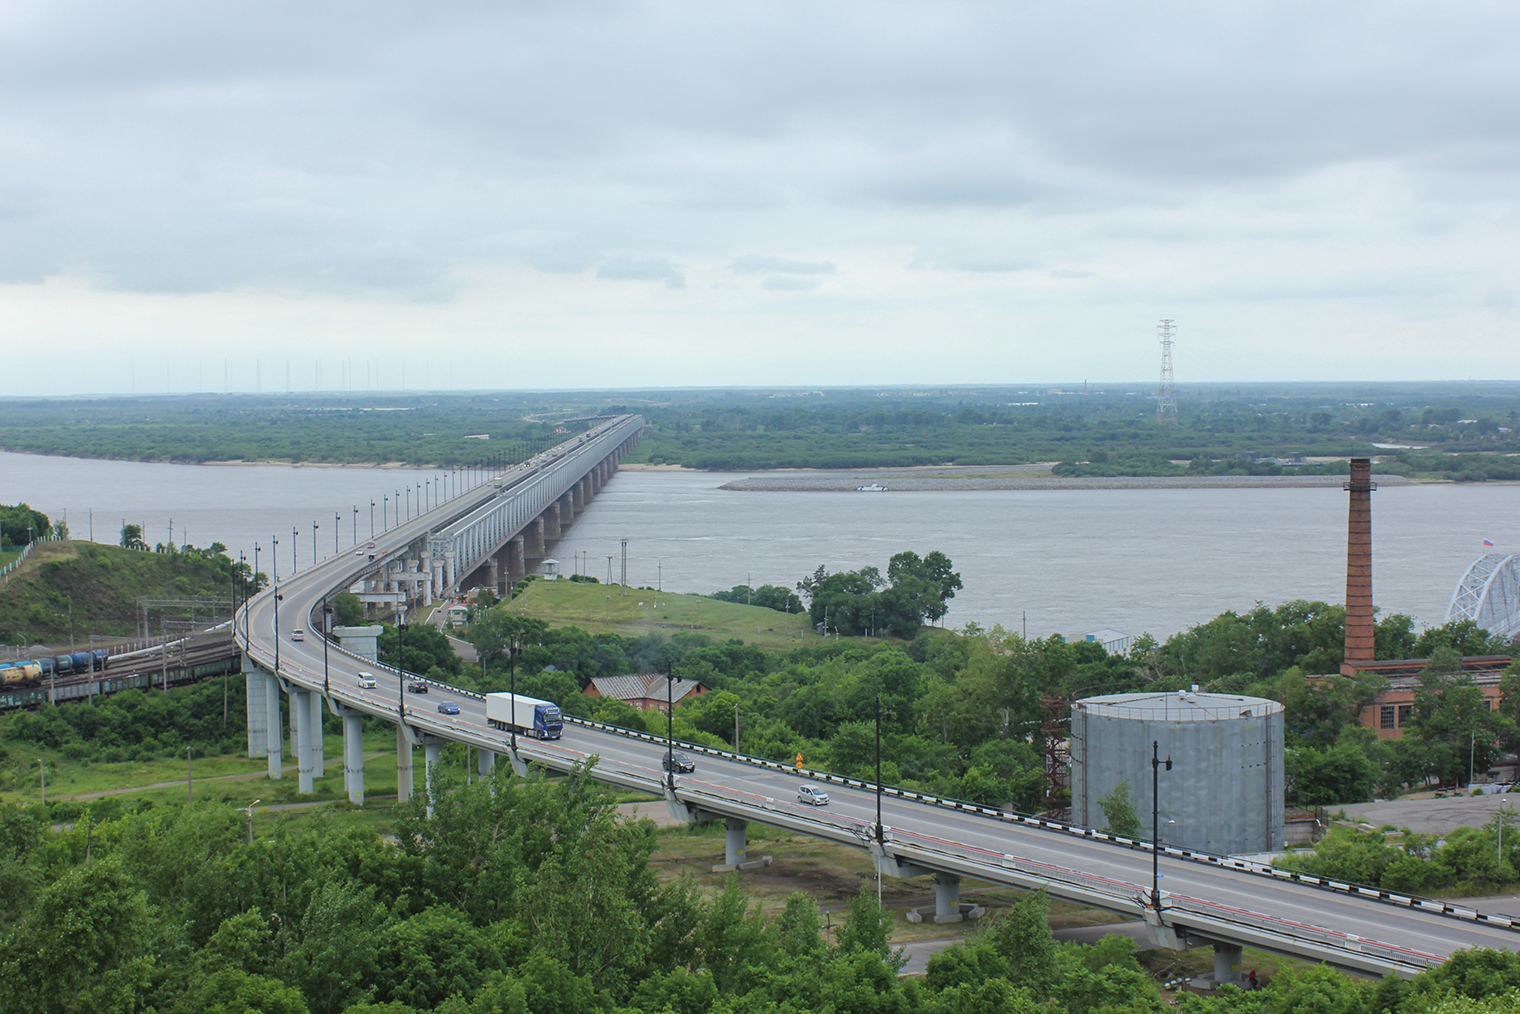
(314, 543)
(249, 810)
(1156, 763)
(372, 519)
(295, 563)
(337, 520)
(326, 634)
(881, 834)
(670, 743)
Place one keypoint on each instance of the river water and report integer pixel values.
(1067, 561)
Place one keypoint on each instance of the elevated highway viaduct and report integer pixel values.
(1212, 900)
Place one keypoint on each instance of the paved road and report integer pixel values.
(920, 951)
(1434, 816)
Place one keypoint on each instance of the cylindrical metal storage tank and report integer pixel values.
(1224, 793)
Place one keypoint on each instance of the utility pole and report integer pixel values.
(624, 577)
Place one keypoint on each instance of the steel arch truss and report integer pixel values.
(1489, 595)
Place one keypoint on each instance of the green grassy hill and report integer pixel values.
(102, 584)
(598, 608)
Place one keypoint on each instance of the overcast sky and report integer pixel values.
(540, 195)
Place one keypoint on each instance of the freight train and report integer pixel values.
(22, 673)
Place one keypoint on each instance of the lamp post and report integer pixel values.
(408, 503)
(337, 520)
(881, 835)
(385, 513)
(295, 563)
(356, 522)
(274, 554)
(400, 668)
(313, 543)
(670, 743)
(1156, 763)
(249, 810)
(326, 634)
(372, 519)
(513, 645)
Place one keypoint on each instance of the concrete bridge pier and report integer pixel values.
(578, 497)
(450, 579)
(734, 833)
(432, 754)
(276, 740)
(947, 898)
(533, 548)
(301, 733)
(485, 762)
(566, 509)
(493, 574)
(517, 564)
(403, 764)
(1226, 964)
(439, 589)
(551, 521)
(353, 756)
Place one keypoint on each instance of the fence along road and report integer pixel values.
(1208, 900)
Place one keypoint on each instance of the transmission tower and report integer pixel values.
(1166, 396)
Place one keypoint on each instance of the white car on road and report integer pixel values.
(813, 795)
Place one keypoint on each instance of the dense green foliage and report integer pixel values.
(133, 725)
(768, 596)
(531, 896)
(1453, 431)
(1469, 861)
(964, 708)
(913, 590)
(19, 524)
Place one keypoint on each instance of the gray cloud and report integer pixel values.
(389, 151)
(643, 270)
(757, 264)
(784, 283)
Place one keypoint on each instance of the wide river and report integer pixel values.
(1069, 560)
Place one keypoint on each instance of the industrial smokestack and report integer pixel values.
(1360, 633)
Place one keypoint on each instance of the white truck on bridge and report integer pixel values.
(526, 715)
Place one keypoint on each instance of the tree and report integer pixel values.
(132, 537)
(20, 524)
(232, 991)
(1119, 811)
(867, 926)
(350, 611)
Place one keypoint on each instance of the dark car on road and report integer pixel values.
(416, 687)
(448, 708)
(678, 762)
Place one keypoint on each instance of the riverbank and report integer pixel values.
(1023, 477)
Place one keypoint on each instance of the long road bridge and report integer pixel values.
(1209, 900)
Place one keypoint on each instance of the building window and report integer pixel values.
(1388, 716)
(1406, 712)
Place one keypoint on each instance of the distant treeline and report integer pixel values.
(1461, 432)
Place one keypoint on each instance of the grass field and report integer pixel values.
(599, 608)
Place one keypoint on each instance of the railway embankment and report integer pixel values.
(72, 590)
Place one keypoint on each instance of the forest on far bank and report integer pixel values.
(1462, 432)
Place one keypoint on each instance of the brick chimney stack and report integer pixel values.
(1360, 633)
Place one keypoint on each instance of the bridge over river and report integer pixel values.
(1211, 900)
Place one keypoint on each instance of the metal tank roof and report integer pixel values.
(1178, 706)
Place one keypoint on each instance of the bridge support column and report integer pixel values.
(947, 898)
(300, 739)
(439, 589)
(318, 761)
(276, 747)
(1226, 964)
(426, 575)
(485, 762)
(551, 522)
(566, 509)
(403, 765)
(432, 753)
(533, 546)
(449, 577)
(578, 497)
(493, 575)
(353, 757)
(517, 567)
(733, 841)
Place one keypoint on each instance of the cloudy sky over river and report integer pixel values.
(220, 196)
